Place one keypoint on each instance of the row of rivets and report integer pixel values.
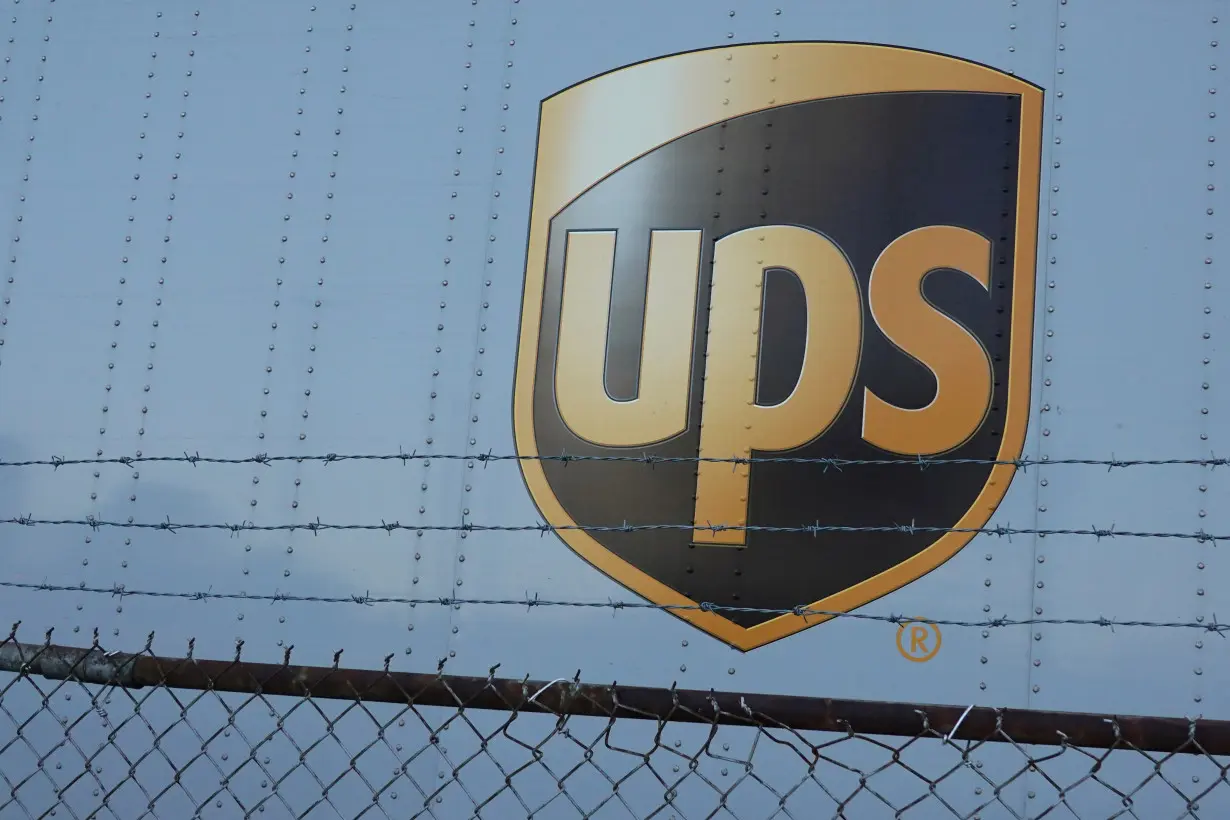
(439, 344)
(129, 268)
(301, 272)
(28, 138)
(164, 269)
(989, 590)
(715, 229)
(1204, 553)
(492, 225)
(771, 19)
(313, 269)
(766, 92)
(263, 423)
(23, 181)
(1047, 271)
(716, 226)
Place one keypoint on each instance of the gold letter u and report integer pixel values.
(660, 409)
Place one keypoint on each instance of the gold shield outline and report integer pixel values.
(591, 129)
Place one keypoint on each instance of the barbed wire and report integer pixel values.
(921, 462)
(814, 529)
(534, 601)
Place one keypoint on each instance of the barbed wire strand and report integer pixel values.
(921, 462)
(534, 601)
(815, 529)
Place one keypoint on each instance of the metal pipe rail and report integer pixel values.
(666, 705)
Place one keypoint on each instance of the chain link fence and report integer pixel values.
(87, 733)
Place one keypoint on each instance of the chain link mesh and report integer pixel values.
(86, 733)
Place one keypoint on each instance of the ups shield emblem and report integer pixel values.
(745, 261)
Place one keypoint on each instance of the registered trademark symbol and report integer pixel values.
(918, 641)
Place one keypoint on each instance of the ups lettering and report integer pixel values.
(732, 422)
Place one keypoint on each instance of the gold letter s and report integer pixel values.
(958, 360)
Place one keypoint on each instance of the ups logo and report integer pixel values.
(778, 252)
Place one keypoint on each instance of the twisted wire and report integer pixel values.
(535, 601)
(317, 526)
(922, 462)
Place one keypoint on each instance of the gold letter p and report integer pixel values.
(732, 423)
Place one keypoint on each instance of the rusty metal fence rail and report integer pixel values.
(89, 733)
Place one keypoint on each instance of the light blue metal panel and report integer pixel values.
(239, 188)
(1104, 343)
(1123, 366)
(22, 48)
(584, 39)
(66, 308)
(983, 32)
(1212, 595)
